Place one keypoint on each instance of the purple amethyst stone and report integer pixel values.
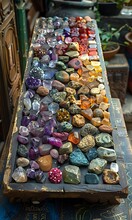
(34, 165)
(40, 176)
(55, 141)
(33, 153)
(35, 141)
(33, 83)
(23, 140)
(30, 173)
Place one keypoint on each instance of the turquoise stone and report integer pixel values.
(65, 126)
(91, 154)
(59, 96)
(78, 158)
(91, 178)
(71, 174)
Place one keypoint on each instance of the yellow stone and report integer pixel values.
(104, 106)
(96, 121)
(95, 63)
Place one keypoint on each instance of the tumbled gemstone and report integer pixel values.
(74, 137)
(54, 153)
(22, 150)
(88, 129)
(30, 173)
(65, 126)
(40, 176)
(37, 132)
(78, 158)
(45, 163)
(19, 175)
(33, 153)
(46, 115)
(47, 100)
(53, 107)
(87, 113)
(96, 121)
(23, 131)
(45, 139)
(22, 162)
(106, 153)
(33, 125)
(25, 121)
(55, 141)
(91, 154)
(44, 149)
(91, 178)
(22, 139)
(34, 165)
(86, 143)
(27, 103)
(33, 83)
(63, 135)
(97, 165)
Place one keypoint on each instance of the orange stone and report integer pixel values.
(106, 121)
(83, 97)
(88, 113)
(45, 163)
(74, 77)
(80, 71)
(86, 62)
(105, 99)
(85, 104)
(106, 114)
(74, 138)
(103, 92)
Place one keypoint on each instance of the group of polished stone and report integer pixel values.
(65, 126)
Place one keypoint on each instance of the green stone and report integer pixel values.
(64, 59)
(70, 70)
(62, 76)
(74, 109)
(72, 54)
(59, 96)
(71, 174)
(66, 148)
(91, 178)
(104, 140)
(88, 129)
(60, 65)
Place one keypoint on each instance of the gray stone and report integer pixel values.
(88, 129)
(19, 175)
(104, 140)
(66, 148)
(106, 153)
(22, 162)
(71, 174)
(97, 165)
(91, 178)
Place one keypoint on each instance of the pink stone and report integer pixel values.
(55, 175)
(75, 63)
(63, 135)
(55, 141)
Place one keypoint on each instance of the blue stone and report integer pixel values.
(49, 73)
(91, 178)
(78, 158)
(91, 154)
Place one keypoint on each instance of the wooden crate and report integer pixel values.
(36, 191)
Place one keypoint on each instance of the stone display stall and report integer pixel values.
(64, 142)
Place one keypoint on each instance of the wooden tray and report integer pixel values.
(36, 191)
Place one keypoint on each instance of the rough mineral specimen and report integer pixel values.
(71, 174)
(86, 143)
(19, 175)
(55, 175)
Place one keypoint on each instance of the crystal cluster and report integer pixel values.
(65, 122)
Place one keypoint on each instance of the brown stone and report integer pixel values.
(86, 143)
(42, 91)
(88, 113)
(105, 128)
(78, 120)
(110, 177)
(45, 163)
(96, 121)
(58, 85)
